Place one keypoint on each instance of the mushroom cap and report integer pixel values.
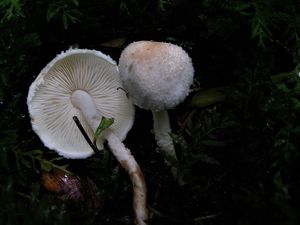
(52, 112)
(157, 75)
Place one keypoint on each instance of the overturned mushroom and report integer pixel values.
(85, 83)
(157, 76)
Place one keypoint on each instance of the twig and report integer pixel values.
(86, 137)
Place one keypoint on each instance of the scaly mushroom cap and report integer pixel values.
(157, 75)
(51, 109)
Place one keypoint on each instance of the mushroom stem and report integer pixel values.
(162, 131)
(85, 103)
(128, 162)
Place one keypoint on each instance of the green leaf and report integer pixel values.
(46, 167)
(35, 153)
(64, 167)
(65, 20)
(162, 4)
(295, 103)
(104, 124)
(75, 2)
(283, 87)
(56, 159)
(283, 76)
(208, 97)
(52, 12)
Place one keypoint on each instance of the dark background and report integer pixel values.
(236, 135)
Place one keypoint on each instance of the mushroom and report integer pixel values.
(86, 84)
(157, 76)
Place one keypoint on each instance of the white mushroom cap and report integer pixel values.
(51, 109)
(157, 75)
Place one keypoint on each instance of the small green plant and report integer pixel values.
(162, 4)
(67, 11)
(103, 125)
(34, 159)
(11, 9)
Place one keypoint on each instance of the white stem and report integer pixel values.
(162, 131)
(128, 162)
(85, 103)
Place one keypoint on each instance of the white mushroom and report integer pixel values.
(157, 76)
(85, 83)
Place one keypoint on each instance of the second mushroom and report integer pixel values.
(158, 77)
